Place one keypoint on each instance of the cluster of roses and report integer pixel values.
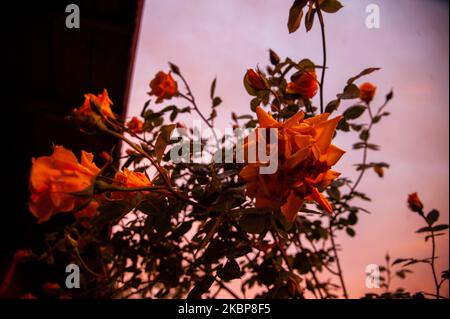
(305, 152)
(61, 183)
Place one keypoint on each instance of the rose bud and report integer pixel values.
(367, 92)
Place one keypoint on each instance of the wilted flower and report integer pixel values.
(306, 156)
(55, 179)
(367, 92)
(163, 86)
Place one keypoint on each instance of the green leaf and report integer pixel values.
(159, 212)
(354, 112)
(334, 193)
(343, 125)
(309, 18)
(330, 6)
(254, 104)
(401, 274)
(350, 232)
(240, 250)
(173, 115)
(363, 72)
(440, 227)
(432, 216)
(352, 218)
(175, 69)
(351, 91)
(423, 229)
(332, 106)
(251, 91)
(301, 263)
(163, 140)
(295, 15)
(201, 287)
(253, 223)
(111, 211)
(373, 147)
(181, 230)
(230, 271)
(364, 135)
(244, 117)
(213, 88)
(399, 261)
(359, 145)
(356, 127)
(305, 65)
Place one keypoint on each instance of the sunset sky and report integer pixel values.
(224, 38)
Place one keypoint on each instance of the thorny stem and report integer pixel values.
(332, 271)
(433, 257)
(364, 159)
(89, 270)
(324, 47)
(222, 285)
(283, 253)
(318, 285)
(338, 263)
(389, 277)
(217, 280)
(190, 98)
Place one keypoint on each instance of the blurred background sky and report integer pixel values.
(224, 38)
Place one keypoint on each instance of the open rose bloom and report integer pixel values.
(306, 156)
(102, 101)
(163, 86)
(55, 180)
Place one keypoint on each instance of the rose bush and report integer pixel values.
(146, 225)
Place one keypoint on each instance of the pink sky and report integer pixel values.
(224, 38)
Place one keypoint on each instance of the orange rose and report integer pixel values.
(255, 80)
(136, 125)
(305, 85)
(414, 203)
(55, 178)
(306, 156)
(163, 86)
(129, 179)
(102, 101)
(367, 92)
